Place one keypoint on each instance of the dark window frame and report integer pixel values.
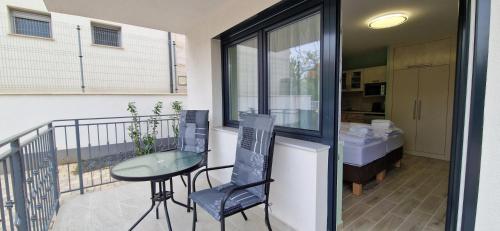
(225, 74)
(261, 32)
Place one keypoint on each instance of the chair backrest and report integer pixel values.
(253, 152)
(193, 131)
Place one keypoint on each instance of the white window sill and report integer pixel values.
(108, 46)
(31, 36)
(285, 141)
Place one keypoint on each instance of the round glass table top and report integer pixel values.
(156, 166)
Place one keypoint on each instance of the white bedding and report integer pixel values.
(394, 142)
(360, 155)
(362, 151)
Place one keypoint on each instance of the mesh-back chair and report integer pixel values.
(193, 137)
(251, 176)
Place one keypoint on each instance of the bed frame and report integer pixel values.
(377, 169)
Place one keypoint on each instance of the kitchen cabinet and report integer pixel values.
(374, 74)
(354, 80)
(420, 107)
(433, 53)
(356, 83)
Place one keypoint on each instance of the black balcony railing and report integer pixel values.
(64, 156)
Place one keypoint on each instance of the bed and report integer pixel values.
(368, 159)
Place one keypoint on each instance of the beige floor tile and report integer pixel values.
(416, 221)
(376, 197)
(388, 223)
(438, 220)
(376, 213)
(430, 204)
(399, 195)
(406, 207)
(416, 190)
(354, 213)
(119, 206)
(361, 224)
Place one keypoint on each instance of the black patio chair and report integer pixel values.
(192, 137)
(251, 176)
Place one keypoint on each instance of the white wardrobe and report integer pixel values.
(422, 96)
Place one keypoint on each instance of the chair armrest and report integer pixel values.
(239, 188)
(206, 170)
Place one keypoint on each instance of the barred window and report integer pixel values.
(32, 24)
(106, 35)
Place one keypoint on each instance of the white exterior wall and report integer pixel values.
(21, 112)
(299, 195)
(488, 207)
(40, 78)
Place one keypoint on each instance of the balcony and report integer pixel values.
(117, 206)
(81, 194)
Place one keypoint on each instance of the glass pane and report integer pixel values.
(243, 73)
(294, 73)
(32, 27)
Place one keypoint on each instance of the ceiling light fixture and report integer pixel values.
(387, 20)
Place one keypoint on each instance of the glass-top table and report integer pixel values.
(158, 168)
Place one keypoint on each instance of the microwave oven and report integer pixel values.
(374, 89)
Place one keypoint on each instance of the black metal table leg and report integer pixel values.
(189, 192)
(149, 210)
(175, 201)
(163, 191)
(162, 196)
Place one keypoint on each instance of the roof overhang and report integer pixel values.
(167, 15)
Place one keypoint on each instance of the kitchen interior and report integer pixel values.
(363, 94)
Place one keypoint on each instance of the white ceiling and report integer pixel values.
(179, 16)
(428, 19)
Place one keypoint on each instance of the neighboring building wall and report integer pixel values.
(21, 112)
(36, 65)
(40, 78)
(488, 208)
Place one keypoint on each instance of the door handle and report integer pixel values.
(419, 109)
(414, 109)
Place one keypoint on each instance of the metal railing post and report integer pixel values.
(55, 166)
(79, 154)
(18, 186)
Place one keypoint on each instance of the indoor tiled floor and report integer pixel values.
(412, 197)
(117, 206)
